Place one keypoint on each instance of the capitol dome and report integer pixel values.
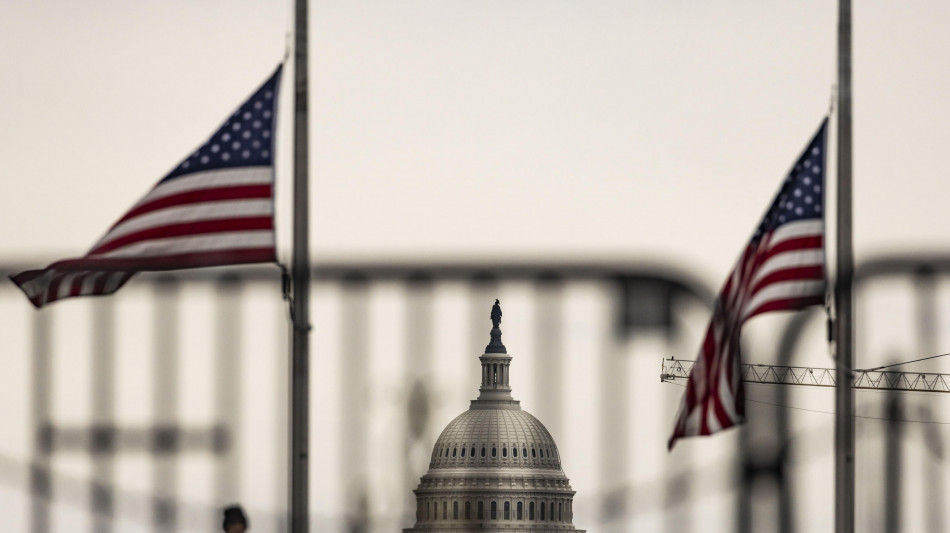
(494, 467)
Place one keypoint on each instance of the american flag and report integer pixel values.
(781, 269)
(214, 208)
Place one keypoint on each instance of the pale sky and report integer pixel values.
(455, 128)
(653, 131)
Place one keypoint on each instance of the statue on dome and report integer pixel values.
(496, 314)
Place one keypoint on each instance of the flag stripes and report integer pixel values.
(215, 208)
(781, 269)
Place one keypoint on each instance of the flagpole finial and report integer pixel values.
(495, 345)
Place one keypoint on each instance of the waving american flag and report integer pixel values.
(781, 269)
(214, 208)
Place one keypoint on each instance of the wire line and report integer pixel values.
(905, 362)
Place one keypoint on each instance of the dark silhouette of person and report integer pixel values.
(234, 520)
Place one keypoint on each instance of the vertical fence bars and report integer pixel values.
(103, 416)
(41, 482)
(417, 379)
(354, 434)
(549, 358)
(165, 405)
(166, 439)
(228, 388)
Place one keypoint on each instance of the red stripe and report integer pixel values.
(236, 192)
(76, 286)
(53, 288)
(186, 228)
(787, 304)
(804, 273)
(171, 261)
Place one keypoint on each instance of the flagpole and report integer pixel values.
(300, 378)
(844, 317)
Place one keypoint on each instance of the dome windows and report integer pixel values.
(514, 451)
(473, 452)
(454, 451)
(524, 452)
(483, 451)
(494, 452)
(504, 452)
(533, 453)
(463, 451)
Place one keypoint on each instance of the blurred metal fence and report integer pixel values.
(374, 432)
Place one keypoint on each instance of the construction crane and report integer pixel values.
(674, 369)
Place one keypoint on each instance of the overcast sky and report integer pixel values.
(636, 129)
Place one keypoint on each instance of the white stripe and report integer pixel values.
(712, 421)
(790, 259)
(213, 210)
(65, 284)
(799, 228)
(194, 243)
(783, 290)
(693, 420)
(209, 179)
(89, 284)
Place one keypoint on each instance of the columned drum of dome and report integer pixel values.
(495, 467)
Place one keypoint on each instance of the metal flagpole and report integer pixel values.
(844, 328)
(300, 379)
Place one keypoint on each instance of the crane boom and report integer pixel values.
(674, 369)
